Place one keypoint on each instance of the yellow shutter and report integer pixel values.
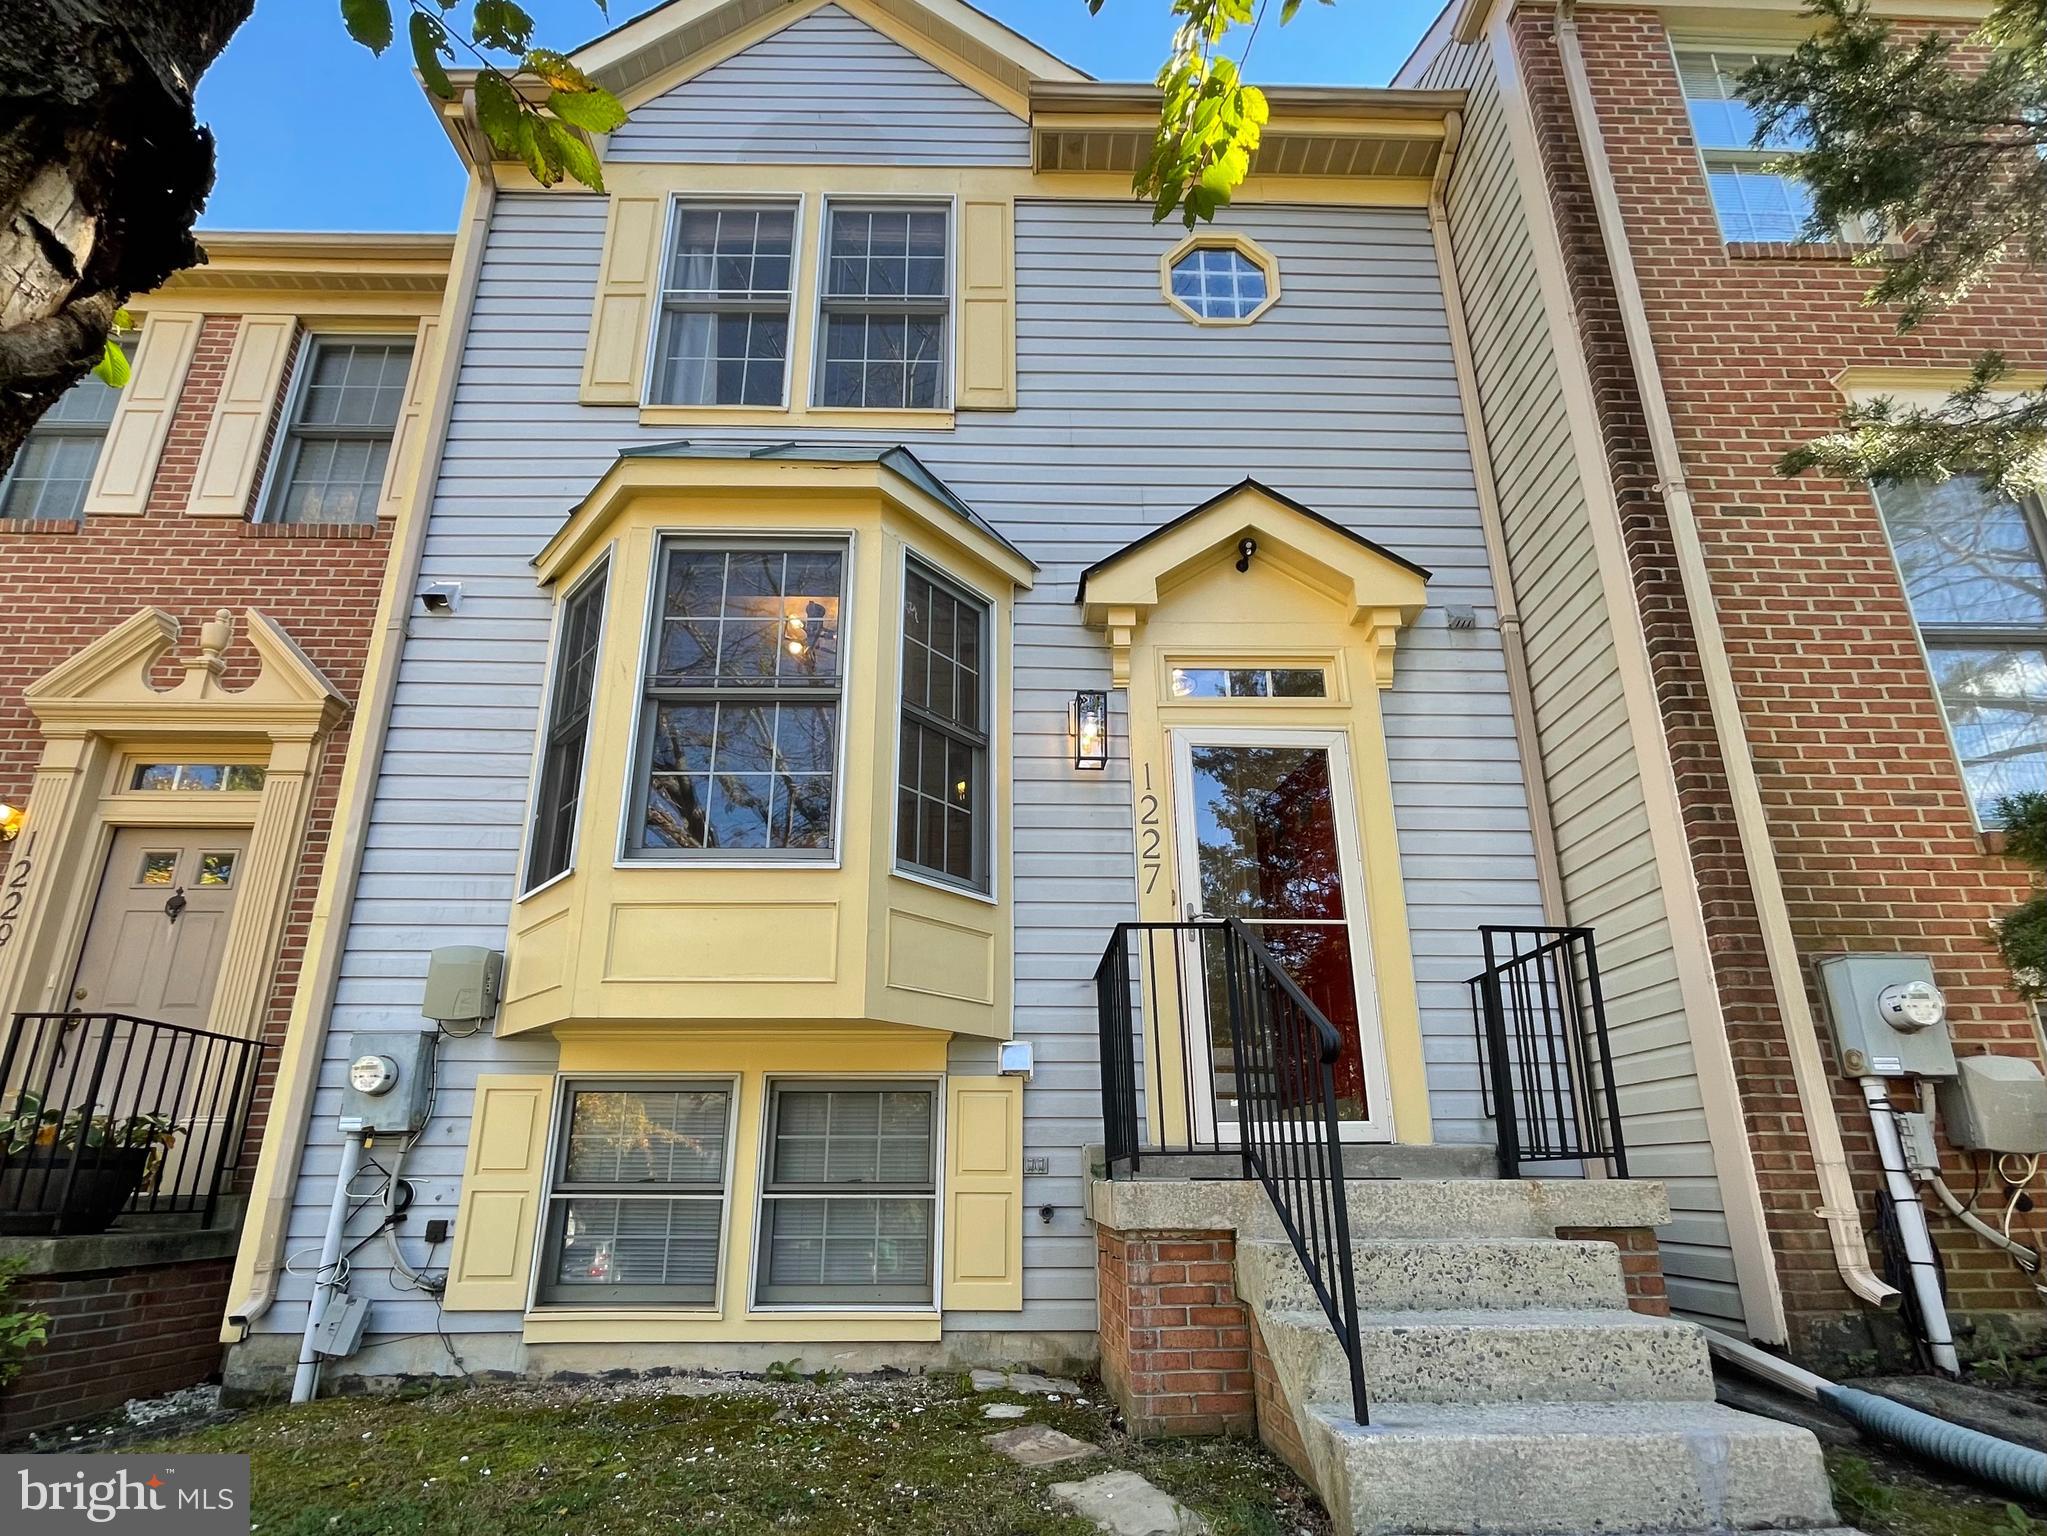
(142, 416)
(403, 465)
(615, 363)
(502, 1182)
(984, 1194)
(226, 476)
(987, 305)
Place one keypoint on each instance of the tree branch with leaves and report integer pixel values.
(1948, 147)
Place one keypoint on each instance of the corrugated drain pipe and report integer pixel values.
(1983, 1458)
(1838, 1206)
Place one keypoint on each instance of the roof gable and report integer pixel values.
(682, 39)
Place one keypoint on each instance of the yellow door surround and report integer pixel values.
(1254, 578)
(98, 712)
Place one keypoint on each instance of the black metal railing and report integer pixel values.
(1209, 1046)
(102, 1113)
(1545, 1059)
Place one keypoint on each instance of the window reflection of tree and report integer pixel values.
(1968, 556)
(1267, 852)
(1996, 700)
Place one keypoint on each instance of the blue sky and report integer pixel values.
(315, 133)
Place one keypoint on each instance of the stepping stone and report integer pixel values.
(1040, 1445)
(1022, 1381)
(1124, 1504)
(1004, 1411)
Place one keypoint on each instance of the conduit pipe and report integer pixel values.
(327, 1278)
(1808, 1067)
(2017, 1469)
(1912, 1230)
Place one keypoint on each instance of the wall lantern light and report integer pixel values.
(11, 819)
(1088, 724)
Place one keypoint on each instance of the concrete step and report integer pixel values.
(1408, 1273)
(1548, 1468)
(1361, 1160)
(1532, 1355)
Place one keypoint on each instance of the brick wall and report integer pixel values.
(1277, 1431)
(1175, 1340)
(1641, 1263)
(1857, 774)
(63, 585)
(113, 1335)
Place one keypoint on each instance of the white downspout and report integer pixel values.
(1808, 1066)
(1912, 1230)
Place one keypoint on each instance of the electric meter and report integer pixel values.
(1911, 1006)
(372, 1074)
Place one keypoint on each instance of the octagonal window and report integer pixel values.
(1221, 283)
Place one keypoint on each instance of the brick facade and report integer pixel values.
(1641, 1264)
(122, 1333)
(1858, 777)
(1175, 1340)
(114, 1335)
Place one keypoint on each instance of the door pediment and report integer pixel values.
(1368, 585)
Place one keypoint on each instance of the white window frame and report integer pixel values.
(821, 272)
(799, 202)
(558, 1115)
(990, 681)
(623, 856)
(602, 565)
(2034, 509)
(763, 1157)
(269, 498)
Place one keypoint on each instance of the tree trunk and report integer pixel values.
(103, 169)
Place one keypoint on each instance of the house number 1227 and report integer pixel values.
(1149, 840)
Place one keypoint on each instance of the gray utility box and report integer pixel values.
(1869, 1046)
(462, 983)
(1996, 1104)
(390, 1081)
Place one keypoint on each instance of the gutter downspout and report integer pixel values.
(1808, 1067)
(260, 1262)
(1520, 695)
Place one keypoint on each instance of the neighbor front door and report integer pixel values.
(1266, 826)
(159, 924)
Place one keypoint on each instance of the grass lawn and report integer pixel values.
(898, 1456)
(1886, 1495)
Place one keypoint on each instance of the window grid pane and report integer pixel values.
(942, 747)
(1973, 568)
(53, 468)
(725, 309)
(1219, 283)
(568, 729)
(742, 720)
(886, 307)
(339, 442)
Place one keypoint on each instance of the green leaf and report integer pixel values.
(368, 22)
(576, 156)
(538, 148)
(499, 112)
(594, 111)
(429, 41)
(112, 369)
(556, 70)
(501, 24)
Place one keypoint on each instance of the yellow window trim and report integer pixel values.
(1220, 240)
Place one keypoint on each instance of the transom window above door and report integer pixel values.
(1192, 682)
(725, 306)
(740, 728)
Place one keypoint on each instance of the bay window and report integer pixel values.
(1974, 563)
(560, 793)
(849, 1201)
(741, 717)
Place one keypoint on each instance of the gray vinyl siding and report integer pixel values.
(1607, 862)
(1343, 396)
(825, 89)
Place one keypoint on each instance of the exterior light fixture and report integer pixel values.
(10, 822)
(1088, 724)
